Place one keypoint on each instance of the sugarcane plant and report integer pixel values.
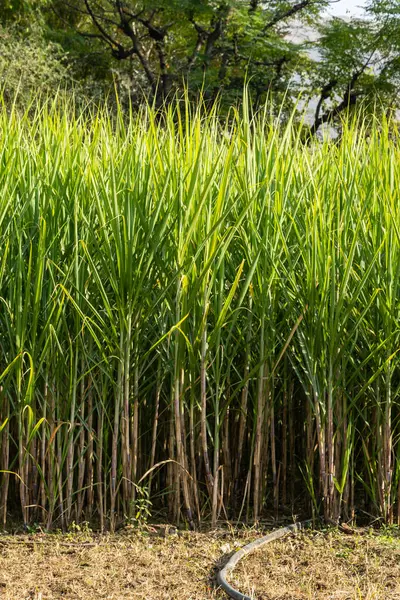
(202, 307)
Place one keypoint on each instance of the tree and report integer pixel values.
(157, 47)
(210, 44)
(358, 63)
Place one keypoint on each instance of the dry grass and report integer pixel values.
(323, 566)
(127, 565)
(149, 566)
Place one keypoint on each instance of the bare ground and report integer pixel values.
(155, 565)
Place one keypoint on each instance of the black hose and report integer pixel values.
(233, 561)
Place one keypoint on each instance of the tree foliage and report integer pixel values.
(280, 47)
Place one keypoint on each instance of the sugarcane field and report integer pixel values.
(199, 300)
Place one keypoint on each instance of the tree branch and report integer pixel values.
(293, 10)
(201, 36)
(96, 22)
(325, 93)
(349, 99)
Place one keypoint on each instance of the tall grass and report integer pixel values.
(204, 311)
